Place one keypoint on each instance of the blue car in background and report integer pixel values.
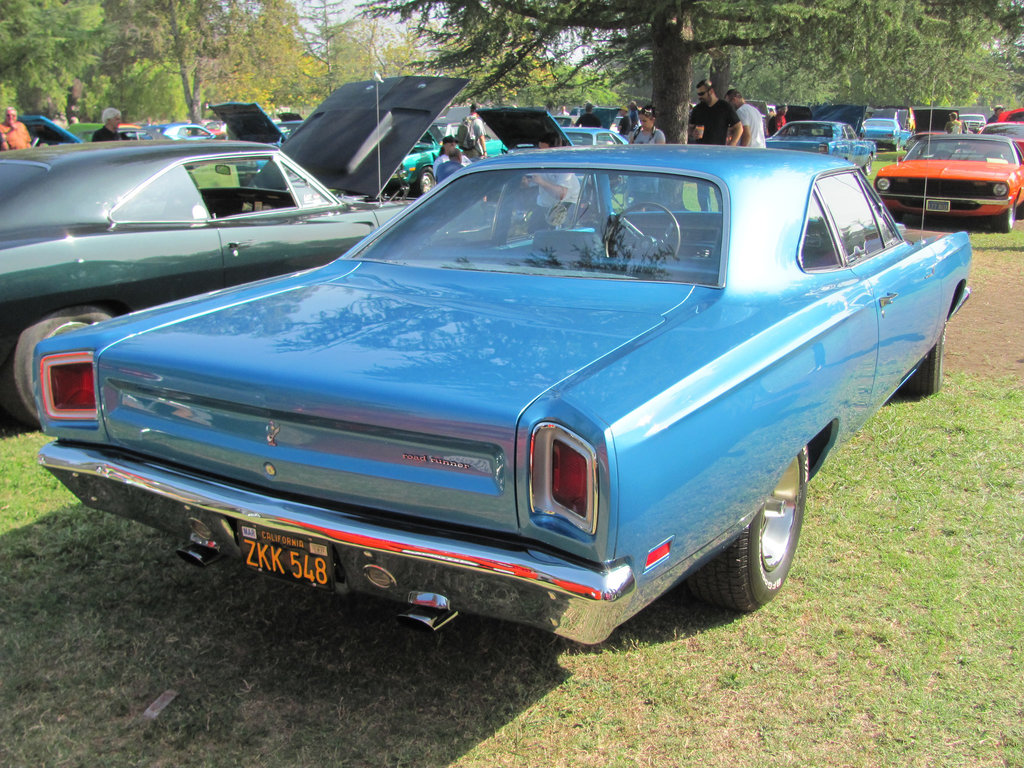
(46, 132)
(550, 391)
(825, 138)
(885, 132)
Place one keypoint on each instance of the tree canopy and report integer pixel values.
(905, 50)
(166, 59)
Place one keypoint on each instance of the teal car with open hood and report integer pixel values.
(561, 384)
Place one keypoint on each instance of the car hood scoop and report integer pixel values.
(388, 384)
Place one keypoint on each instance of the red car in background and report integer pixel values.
(1013, 131)
(1012, 116)
(966, 175)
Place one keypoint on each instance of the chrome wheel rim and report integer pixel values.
(779, 514)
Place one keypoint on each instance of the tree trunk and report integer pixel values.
(721, 72)
(672, 73)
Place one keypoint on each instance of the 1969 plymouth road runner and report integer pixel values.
(559, 385)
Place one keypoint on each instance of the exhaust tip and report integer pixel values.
(198, 555)
(426, 619)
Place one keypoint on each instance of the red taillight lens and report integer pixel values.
(69, 386)
(563, 476)
(569, 478)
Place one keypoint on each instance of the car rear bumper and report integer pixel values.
(513, 581)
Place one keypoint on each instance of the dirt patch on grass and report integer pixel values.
(987, 336)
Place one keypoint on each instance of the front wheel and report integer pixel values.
(426, 182)
(752, 570)
(16, 394)
(1004, 222)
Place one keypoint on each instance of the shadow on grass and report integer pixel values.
(101, 617)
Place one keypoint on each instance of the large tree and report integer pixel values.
(501, 40)
(44, 45)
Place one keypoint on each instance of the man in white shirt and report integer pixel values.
(751, 120)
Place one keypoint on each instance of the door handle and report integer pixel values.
(233, 247)
(886, 300)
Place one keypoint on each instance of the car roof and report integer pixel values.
(742, 173)
(79, 170)
(1010, 128)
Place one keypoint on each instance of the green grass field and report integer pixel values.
(898, 640)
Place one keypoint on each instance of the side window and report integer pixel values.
(308, 195)
(241, 185)
(171, 197)
(818, 249)
(851, 210)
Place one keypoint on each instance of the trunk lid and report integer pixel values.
(390, 387)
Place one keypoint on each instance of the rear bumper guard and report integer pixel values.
(578, 601)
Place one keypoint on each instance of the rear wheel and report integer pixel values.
(927, 379)
(16, 395)
(752, 570)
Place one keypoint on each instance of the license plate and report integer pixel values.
(939, 206)
(287, 556)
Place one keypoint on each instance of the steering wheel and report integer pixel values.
(621, 231)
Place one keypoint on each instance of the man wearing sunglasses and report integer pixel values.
(713, 121)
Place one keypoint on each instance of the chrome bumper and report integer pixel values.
(583, 602)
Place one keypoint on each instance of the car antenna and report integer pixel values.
(377, 80)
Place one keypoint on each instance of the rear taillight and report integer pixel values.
(569, 484)
(68, 383)
(563, 476)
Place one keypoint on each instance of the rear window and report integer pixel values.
(568, 222)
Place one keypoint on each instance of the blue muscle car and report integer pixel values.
(825, 138)
(561, 384)
(885, 132)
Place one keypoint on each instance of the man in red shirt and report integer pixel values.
(13, 133)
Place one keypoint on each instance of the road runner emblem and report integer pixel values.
(272, 432)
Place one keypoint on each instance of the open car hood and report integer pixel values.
(851, 114)
(520, 127)
(248, 122)
(359, 136)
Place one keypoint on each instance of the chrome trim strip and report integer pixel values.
(577, 601)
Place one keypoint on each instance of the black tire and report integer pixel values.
(752, 570)
(1004, 221)
(927, 379)
(16, 395)
(426, 182)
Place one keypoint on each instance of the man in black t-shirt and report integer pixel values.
(111, 121)
(714, 121)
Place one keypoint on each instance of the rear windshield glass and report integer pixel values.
(572, 222)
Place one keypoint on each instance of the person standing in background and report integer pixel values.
(751, 120)
(111, 122)
(13, 133)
